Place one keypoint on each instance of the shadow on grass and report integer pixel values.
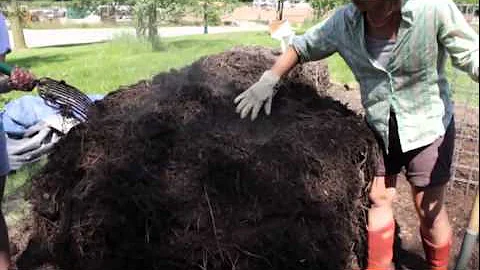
(196, 43)
(32, 61)
(50, 57)
(73, 45)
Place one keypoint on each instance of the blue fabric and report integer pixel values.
(4, 38)
(26, 111)
(4, 164)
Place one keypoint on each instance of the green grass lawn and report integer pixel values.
(101, 68)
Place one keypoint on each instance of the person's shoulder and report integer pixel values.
(347, 13)
(348, 10)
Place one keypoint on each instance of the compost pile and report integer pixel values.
(165, 175)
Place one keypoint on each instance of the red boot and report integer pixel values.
(380, 248)
(437, 255)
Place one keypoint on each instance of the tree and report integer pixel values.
(280, 9)
(16, 15)
(105, 8)
(211, 10)
(323, 6)
(147, 14)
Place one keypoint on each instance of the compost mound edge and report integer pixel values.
(165, 175)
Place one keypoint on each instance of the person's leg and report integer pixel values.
(4, 169)
(381, 225)
(435, 227)
(4, 242)
(381, 196)
(428, 171)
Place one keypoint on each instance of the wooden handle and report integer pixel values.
(473, 224)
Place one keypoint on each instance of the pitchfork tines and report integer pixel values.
(67, 99)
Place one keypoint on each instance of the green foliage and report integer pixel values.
(149, 12)
(93, 4)
(211, 10)
(323, 6)
(14, 8)
(466, 1)
(104, 8)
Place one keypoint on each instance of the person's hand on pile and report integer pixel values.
(21, 79)
(259, 94)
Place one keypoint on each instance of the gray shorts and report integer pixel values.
(4, 165)
(425, 166)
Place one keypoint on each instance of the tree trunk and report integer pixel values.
(16, 21)
(317, 14)
(152, 26)
(280, 10)
(205, 18)
(141, 20)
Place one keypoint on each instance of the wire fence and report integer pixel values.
(465, 168)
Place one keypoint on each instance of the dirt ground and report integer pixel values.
(409, 251)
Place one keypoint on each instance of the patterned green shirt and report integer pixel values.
(414, 83)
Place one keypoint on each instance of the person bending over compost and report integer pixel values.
(397, 50)
(18, 80)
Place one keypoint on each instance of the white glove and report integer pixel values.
(253, 98)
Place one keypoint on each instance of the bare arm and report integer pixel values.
(317, 43)
(286, 62)
(459, 38)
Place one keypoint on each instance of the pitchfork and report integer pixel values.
(68, 100)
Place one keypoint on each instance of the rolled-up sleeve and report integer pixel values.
(460, 40)
(318, 42)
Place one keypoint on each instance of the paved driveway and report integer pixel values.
(56, 37)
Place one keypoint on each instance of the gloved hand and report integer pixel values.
(253, 98)
(22, 80)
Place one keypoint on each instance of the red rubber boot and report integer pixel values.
(437, 255)
(380, 248)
